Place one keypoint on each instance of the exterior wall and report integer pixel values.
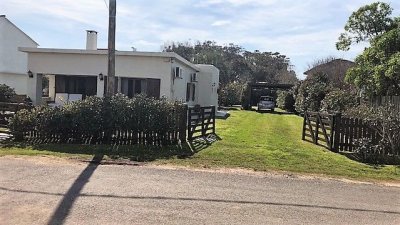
(34, 89)
(180, 84)
(208, 83)
(16, 81)
(13, 63)
(93, 64)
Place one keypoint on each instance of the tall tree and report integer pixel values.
(377, 69)
(235, 63)
(365, 24)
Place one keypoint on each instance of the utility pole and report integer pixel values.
(111, 49)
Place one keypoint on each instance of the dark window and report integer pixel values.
(138, 86)
(188, 92)
(84, 85)
(153, 88)
(193, 92)
(130, 88)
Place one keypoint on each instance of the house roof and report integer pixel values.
(4, 16)
(316, 68)
(105, 52)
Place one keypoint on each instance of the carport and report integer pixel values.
(255, 90)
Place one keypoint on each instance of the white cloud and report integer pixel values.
(219, 23)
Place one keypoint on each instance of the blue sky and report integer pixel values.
(304, 30)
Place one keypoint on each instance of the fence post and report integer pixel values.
(336, 130)
(303, 136)
(203, 128)
(317, 129)
(184, 117)
(213, 118)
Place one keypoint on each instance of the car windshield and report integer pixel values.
(266, 99)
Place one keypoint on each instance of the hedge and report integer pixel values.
(119, 119)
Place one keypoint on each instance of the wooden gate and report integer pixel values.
(201, 122)
(319, 127)
(337, 133)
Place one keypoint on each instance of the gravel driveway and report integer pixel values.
(41, 190)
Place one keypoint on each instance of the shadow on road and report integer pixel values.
(63, 214)
(65, 206)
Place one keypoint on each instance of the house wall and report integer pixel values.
(208, 83)
(180, 84)
(16, 81)
(94, 64)
(13, 63)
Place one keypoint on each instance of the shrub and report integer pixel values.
(338, 101)
(385, 120)
(95, 117)
(311, 92)
(231, 94)
(6, 93)
(286, 101)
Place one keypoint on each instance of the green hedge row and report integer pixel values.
(101, 120)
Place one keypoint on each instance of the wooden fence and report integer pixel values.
(335, 132)
(348, 130)
(201, 122)
(384, 100)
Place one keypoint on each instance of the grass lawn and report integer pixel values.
(272, 141)
(251, 140)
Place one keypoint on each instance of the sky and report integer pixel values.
(303, 30)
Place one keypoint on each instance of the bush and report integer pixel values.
(286, 101)
(338, 101)
(311, 93)
(231, 94)
(95, 117)
(385, 120)
(6, 93)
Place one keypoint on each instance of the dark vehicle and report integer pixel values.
(266, 103)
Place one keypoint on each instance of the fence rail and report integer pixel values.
(319, 127)
(201, 122)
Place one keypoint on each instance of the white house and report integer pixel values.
(13, 63)
(77, 73)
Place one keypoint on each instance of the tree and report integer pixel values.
(6, 93)
(285, 101)
(365, 24)
(235, 63)
(377, 69)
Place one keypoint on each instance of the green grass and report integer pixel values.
(272, 141)
(261, 142)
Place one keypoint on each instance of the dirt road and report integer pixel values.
(55, 191)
